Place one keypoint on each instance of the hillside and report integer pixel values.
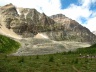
(8, 45)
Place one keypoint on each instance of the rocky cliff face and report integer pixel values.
(24, 21)
(72, 30)
(29, 22)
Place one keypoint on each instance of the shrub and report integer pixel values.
(75, 61)
(21, 60)
(37, 57)
(51, 59)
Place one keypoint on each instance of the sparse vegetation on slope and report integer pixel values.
(8, 45)
(87, 50)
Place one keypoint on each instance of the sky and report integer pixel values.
(83, 11)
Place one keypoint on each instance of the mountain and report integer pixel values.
(94, 32)
(26, 22)
(41, 34)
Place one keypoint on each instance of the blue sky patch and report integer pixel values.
(66, 3)
(93, 7)
(84, 20)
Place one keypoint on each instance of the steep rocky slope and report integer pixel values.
(72, 30)
(29, 22)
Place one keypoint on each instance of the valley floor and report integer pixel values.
(59, 62)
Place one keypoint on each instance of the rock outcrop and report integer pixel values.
(29, 22)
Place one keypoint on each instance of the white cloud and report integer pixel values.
(91, 24)
(50, 7)
(75, 12)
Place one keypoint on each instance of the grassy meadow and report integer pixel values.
(82, 60)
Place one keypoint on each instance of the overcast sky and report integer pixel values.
(83, 11)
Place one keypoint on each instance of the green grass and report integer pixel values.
(8, 45)
(59, 62)
(45, 63)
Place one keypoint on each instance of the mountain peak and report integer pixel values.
(8, 6)
(8, 10)
(58, 16)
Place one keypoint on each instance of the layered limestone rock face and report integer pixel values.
(29, 22)
(24, 21)
(72, 30)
